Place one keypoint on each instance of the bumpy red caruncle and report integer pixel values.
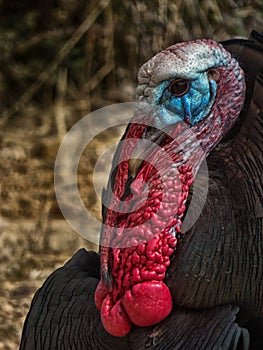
(144, 238)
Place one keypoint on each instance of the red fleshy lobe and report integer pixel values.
(147, 303)
(114, 317)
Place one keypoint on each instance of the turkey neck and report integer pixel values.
(220, 259)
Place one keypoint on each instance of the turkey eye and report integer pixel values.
(179, 87)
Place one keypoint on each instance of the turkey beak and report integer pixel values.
(134, 164)
(138, 154)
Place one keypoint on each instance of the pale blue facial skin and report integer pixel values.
(190, 62)
(192, 107)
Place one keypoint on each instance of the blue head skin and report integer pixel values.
(191, 64)
(192, 107)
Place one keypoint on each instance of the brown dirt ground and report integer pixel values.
(35, 239)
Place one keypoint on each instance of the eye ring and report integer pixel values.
(179, 87)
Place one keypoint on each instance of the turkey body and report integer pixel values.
(215, 275)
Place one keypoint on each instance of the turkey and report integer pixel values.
(153, 286)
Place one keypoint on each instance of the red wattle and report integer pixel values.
(148, 303)
(139, 257)
(114, 318)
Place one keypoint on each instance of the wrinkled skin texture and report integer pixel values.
(215, 275)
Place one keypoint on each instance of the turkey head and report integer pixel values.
(188, 97)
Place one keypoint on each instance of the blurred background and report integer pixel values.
(59, 61)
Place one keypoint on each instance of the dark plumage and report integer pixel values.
(214, 278)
